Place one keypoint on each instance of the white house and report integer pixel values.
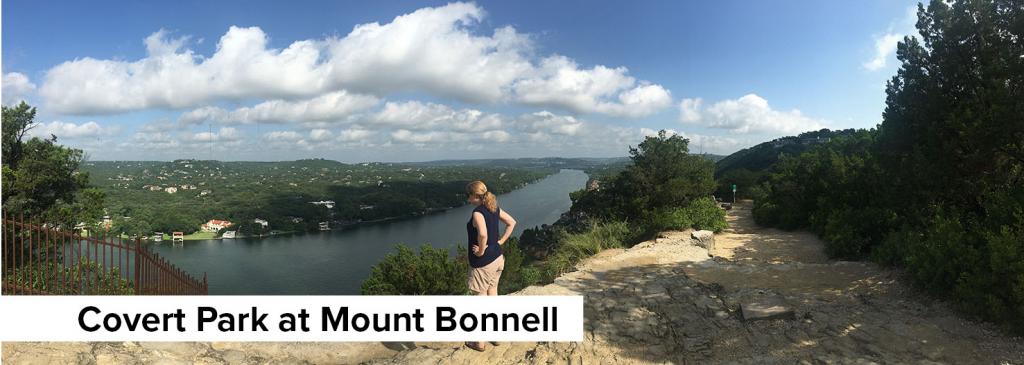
(171, 190)
(327, 203)
(215, 225)
(261, 222)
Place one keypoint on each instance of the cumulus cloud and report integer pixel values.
(885, 44)
(435, 50)
(71, 130)
(330, 107)
(700, 143)
(354, 134)
(419, 115)
(282, 136)
(560, 82)
(748, 114)
(547, 122)
(16, 87)
(224, 134)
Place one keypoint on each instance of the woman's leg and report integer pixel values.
(493, 290)
(480, 344)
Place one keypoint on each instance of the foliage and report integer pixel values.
(576, 246)
(86, 277)
(938, 188)
(663, 176)
(762, 157)
(516, 275)
(42, 178)
(281, 192)
(702, 213)
(432, 272)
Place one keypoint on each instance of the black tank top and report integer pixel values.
(493, 250)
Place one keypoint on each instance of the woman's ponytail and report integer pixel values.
(490, 202)
(487, 199)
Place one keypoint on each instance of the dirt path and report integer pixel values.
(666, 301)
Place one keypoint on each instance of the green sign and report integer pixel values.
(734, 188)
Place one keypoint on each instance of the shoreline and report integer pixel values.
(345, 226)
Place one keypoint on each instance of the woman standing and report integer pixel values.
(486, 261)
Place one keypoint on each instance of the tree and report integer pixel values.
(663, 176)
(41, 178)
(939, 187)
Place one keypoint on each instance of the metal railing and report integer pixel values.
(43, 260)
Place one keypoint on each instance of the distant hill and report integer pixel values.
(581, 163)
(761, 157)
(747, 168)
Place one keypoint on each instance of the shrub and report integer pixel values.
(432, 272)
(576, 247)
(87, 277)
(516, 275)
(702, 213)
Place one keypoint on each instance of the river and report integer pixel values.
(337, 262)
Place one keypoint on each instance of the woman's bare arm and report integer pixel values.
(510, 224)
(481, 234)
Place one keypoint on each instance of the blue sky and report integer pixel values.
(412, 81)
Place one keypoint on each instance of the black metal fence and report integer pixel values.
(43, 260)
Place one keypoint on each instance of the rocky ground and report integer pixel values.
(666, 301)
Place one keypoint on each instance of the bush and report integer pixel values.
(515, 276)
(702, 213)
(576, 247)
(432, 272)
(87, 277)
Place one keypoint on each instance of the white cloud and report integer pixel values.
(496, 136)
(354, 134)
(433, 137)
(548, 122)
(71, 130)
(748, 114)
(330, 107)
(282, 136)
(16, 86)
(434, 50)
(320, 134)
(885, 44)
(689, 110)
(419, 115)
(560, 82)
(700, 143)
(224, 134)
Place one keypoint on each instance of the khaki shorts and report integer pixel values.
(483, 278)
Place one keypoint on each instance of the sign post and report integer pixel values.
(734, 193)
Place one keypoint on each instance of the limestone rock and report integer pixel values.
(766, 308)
(705, 239)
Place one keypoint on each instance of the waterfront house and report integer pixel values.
(261, 222)
(215, 225)
(327, 203)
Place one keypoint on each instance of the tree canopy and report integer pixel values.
(41, 179)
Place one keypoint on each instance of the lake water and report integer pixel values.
(337, 262)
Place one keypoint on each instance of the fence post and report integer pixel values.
(138, 267)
